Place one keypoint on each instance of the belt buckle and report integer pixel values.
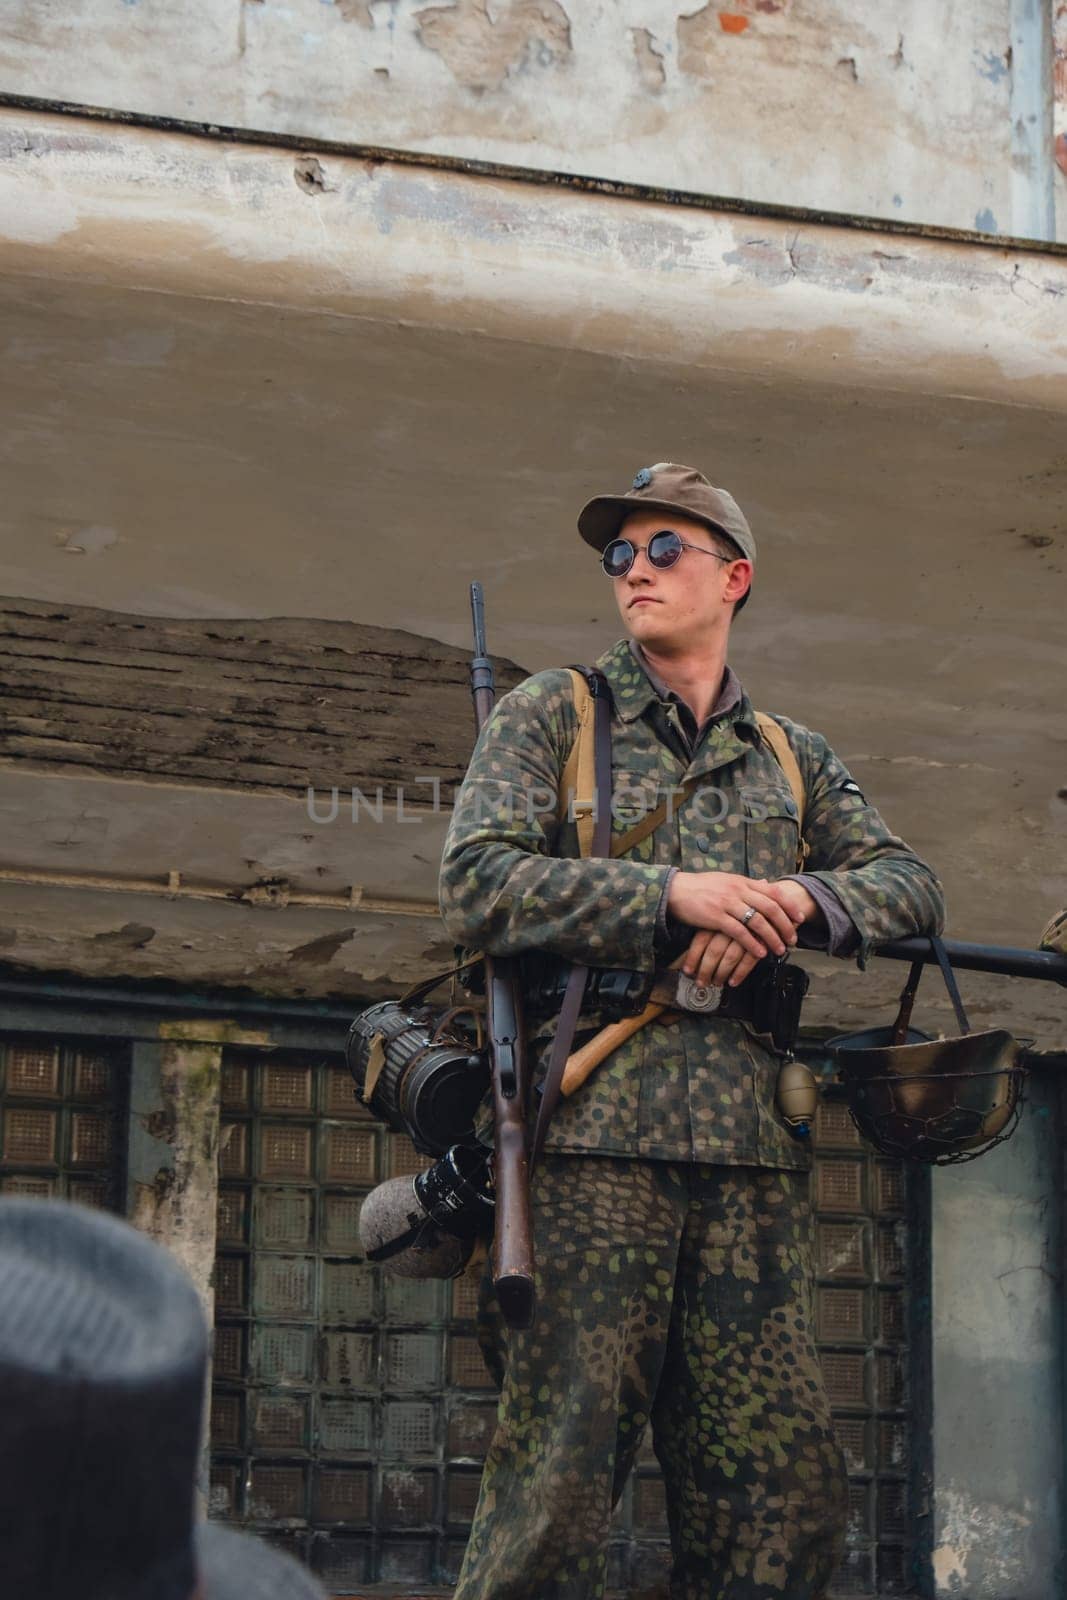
(693, 996)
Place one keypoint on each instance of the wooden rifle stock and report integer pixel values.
(513, 1264)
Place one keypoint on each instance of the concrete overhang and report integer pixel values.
(243, 381)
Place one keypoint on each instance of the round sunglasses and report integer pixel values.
(663, 550)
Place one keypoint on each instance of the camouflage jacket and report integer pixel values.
(688, 1089)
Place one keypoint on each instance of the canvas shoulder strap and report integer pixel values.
(579, 772)
(780, 748)
(782, 751)
(578, 781)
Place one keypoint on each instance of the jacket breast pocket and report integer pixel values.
(772, 832)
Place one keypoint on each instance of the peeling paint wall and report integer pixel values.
(482, 49)
(997, 1341)
(172, 1170)
(217, 378)
(1059, 111)
(933, 114)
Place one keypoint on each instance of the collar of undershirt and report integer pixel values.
(731, 694)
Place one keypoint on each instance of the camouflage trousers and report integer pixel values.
(681, 1296)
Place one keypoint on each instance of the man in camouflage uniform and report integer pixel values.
(672, 1224)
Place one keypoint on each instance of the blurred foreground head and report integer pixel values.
(103, 1362)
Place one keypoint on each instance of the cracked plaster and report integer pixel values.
(643, 91)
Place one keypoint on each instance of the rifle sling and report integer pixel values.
(579, 973)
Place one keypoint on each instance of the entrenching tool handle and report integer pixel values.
(591, 1054)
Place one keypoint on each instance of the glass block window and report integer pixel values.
(352, 1410)
(863, 1263)
(61, 1109)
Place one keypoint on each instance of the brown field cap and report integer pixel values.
(674, 489)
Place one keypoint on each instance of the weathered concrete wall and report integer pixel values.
(1059, 113)
(100, 207)
(172, 1148)
(933, 114)
(224, 395)
(998, 1417)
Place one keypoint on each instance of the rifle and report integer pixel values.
(513, 1267)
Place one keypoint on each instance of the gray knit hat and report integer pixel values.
(103, 1362)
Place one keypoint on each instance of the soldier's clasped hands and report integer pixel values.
(738, 920)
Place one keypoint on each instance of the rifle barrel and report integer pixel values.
(483, 688)
(1005, 959)
(478, 618)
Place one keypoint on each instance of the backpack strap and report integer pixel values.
(577, 785)
(782, 752)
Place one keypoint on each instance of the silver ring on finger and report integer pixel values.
(749, 914)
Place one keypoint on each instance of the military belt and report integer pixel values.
(769, 1000)
(626, 994)
(682, 993)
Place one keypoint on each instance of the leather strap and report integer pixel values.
(907, 994)
(907, 1001)
(782, 751)
(950, 983)
(600, 846)
(419, 991)
(392, 1247)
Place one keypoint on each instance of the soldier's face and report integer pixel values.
(680, 606)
